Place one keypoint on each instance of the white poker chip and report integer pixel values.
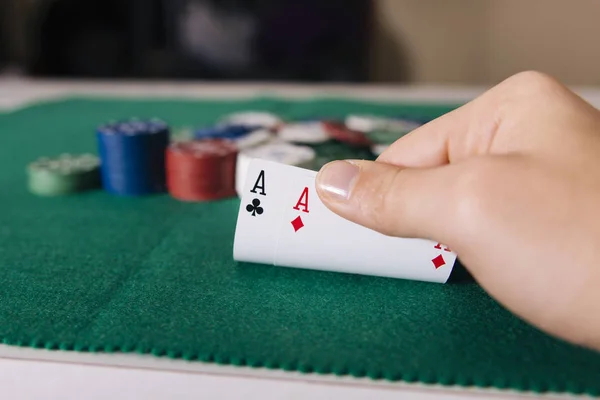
(364, 123)
(401, 125)
(253, 118)
(304, 132)
(284, 153)
(370, 123)
(377, 149)
(254, 139)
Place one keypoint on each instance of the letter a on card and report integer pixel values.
(302, 203)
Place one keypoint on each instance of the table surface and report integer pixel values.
(68, 374)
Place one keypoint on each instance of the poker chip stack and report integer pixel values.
(201, 170)
(132, 155)
(63, 175)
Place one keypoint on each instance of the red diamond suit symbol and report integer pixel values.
(297, 223)
(438, 261)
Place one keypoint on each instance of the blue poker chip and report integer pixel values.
(207, 133)
(224, 132)
(132, 156)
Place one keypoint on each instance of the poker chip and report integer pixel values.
(401, 125)
(363, 123)
(254, 139)
(309, 132)
(132, 155)
(224, 131)
(342, 133)
(253, 118)
(284, 153)
(201, 170)
(369, 123)
(63, 175)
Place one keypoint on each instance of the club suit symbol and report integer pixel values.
(255, 208)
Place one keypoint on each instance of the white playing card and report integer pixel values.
(260, 212)
(308, 235)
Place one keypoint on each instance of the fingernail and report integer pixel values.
(337, 178)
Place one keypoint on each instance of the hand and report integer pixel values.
(511, 183)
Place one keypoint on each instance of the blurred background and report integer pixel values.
(404, 41)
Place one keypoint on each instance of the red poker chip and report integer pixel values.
(201, 170)
(340, 132)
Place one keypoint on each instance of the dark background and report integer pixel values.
(307, 40)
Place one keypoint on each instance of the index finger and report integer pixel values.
(446, 139)
(505, 118)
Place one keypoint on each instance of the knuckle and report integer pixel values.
(533, 82)
(515, 99)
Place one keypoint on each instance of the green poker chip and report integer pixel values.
(64, 174)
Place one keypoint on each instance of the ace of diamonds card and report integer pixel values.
(283, 222)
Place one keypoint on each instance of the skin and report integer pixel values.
(511, 183)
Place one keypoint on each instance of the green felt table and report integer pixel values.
(94, 272)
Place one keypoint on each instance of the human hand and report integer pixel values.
(511, 183)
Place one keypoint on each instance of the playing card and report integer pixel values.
(260, 212)
(308, 235)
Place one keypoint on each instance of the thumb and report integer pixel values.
(395, 201)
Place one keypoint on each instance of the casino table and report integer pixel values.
(140, 298)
